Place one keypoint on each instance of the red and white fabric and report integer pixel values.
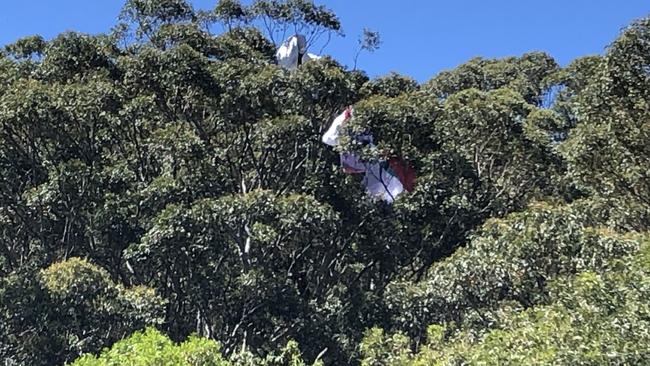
(385, 179)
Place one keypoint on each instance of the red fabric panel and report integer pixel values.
(405, 173)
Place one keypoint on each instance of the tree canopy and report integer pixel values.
(165, 198)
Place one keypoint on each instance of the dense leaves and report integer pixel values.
(598, 317)
(70, 308)
(151, 348)
(187, 169)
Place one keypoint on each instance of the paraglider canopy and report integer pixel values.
(293, 52)
(383, 179)
(290, 54)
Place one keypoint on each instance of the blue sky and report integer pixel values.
(420, 37)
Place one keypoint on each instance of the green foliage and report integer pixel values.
(244, 43)
(257, 252)
(27, 47)
(187, 168)
(524, 75)
(298, 13)
(486, 130)
(74, 279)
(73, 55)
(508, 260)
(391, 86)
(68, 309)
(597, 317)
(229, 11)
(612, 122)
(150, 15)
(151, 348)
(369, 41)
(378, 349)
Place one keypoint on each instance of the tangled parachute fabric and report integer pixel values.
(383, 179)
(293, 52)
(349, 161)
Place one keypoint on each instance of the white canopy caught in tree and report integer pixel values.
(293, 52)
(379, 180)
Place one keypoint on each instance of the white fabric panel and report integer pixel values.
(310, 57)
(289, 53)
(331, 136)
(352, 164)
(381, 183)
